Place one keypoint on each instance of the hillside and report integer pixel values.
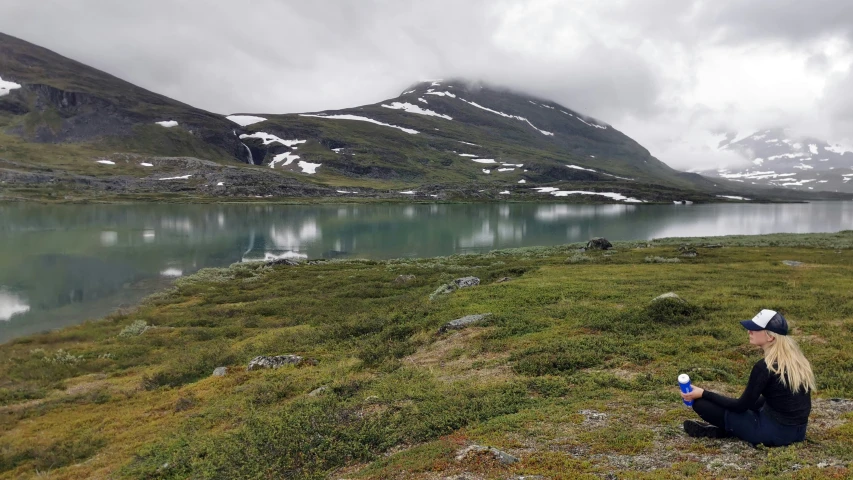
(70, 132)
(570, 371)
(778, 159)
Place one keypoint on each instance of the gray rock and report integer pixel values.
(263, 361)
(503, 457)
(669, 296)
(220, 371)
(793, 263)
(503, 279)
(465, 282)
(528, 477)
(284, 261)
(599, 243)
(318, 391)
(404, 278)
(463, 322)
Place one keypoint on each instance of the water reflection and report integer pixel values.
(11, 305)
(69, 263)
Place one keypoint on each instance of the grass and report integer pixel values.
(573, 373)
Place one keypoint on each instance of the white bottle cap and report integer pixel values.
(683, 378)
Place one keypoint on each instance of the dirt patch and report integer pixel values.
(456, 357)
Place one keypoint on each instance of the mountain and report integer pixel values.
(779, 159)
(69, 132)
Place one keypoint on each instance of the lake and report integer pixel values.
(61, 265)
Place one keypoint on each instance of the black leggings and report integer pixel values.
(710, 412)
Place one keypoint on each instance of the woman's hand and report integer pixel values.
(696, 393)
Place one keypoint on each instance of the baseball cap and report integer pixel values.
(767, 320)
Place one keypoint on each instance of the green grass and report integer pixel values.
(573, 373)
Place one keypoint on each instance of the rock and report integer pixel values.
(599, 243)
(465, 282)
(404, 278)
(463, 322)
(503, 457)
(220, 371)
(581, 250)
(689, 254)
(263, 361)
(669, 296)
(503, 279)
(793, 263)
(283, 261)
(527, 477)
(318, 391)
(687, 250)
(713, 245)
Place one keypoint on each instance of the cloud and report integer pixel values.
(668, 73)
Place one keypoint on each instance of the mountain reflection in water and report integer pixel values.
(60, 265)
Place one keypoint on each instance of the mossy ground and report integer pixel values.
(573, 373)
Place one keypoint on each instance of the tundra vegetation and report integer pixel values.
(573, 373)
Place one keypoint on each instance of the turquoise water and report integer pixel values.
(61, 265)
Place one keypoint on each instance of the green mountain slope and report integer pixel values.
(70, 131)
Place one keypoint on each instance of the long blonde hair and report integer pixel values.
(784, 358)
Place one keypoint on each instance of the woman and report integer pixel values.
(774, 408)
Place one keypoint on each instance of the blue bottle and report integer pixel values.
(684, 383)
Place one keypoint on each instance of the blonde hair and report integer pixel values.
(784, 358)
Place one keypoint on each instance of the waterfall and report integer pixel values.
(251, 159)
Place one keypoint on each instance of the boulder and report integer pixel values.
(220, 371)
(283, 261)
(465, 282)
(599, 243)
(503, 457)
(404, 278)
(669, 296)
(263, 361)
(463, 322)
(793, 263)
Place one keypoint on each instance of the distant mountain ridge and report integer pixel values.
(69, 128)
(780, 159)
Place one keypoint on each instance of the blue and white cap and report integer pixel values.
(767, 320)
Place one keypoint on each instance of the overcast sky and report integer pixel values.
(675, 75)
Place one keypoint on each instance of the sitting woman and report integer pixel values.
(774, 408)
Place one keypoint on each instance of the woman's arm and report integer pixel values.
(757, 381)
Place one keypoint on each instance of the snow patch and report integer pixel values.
(440, 94)
(7, 86)
(410, 108)
(522, 181)
(360, 119)
(505, 169)
(505, 192)
(220, 184)
(516, 117)
(592, 124)
(484, 160)
(144, 164)
(245, 120)
(422, 100)
(309, 168)
(581, 168)
(803, 166)
(268, 138)
(564, 193)
(167, 123)
(182, 177)
(487, 171)
(106, 162)
(408, 192)
(837, 149)
(813, 148)
(467, 155)
(286, 157)
(733, 197)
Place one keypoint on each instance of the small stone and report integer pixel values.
(318, 391)
(404, 278)
(669, 296)
(284, 261)
(793, 263)
(463, 322)
(263, 361)
(465, 282)
(599, 243)
(503, 457)
(503, 279)
(220, 371)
